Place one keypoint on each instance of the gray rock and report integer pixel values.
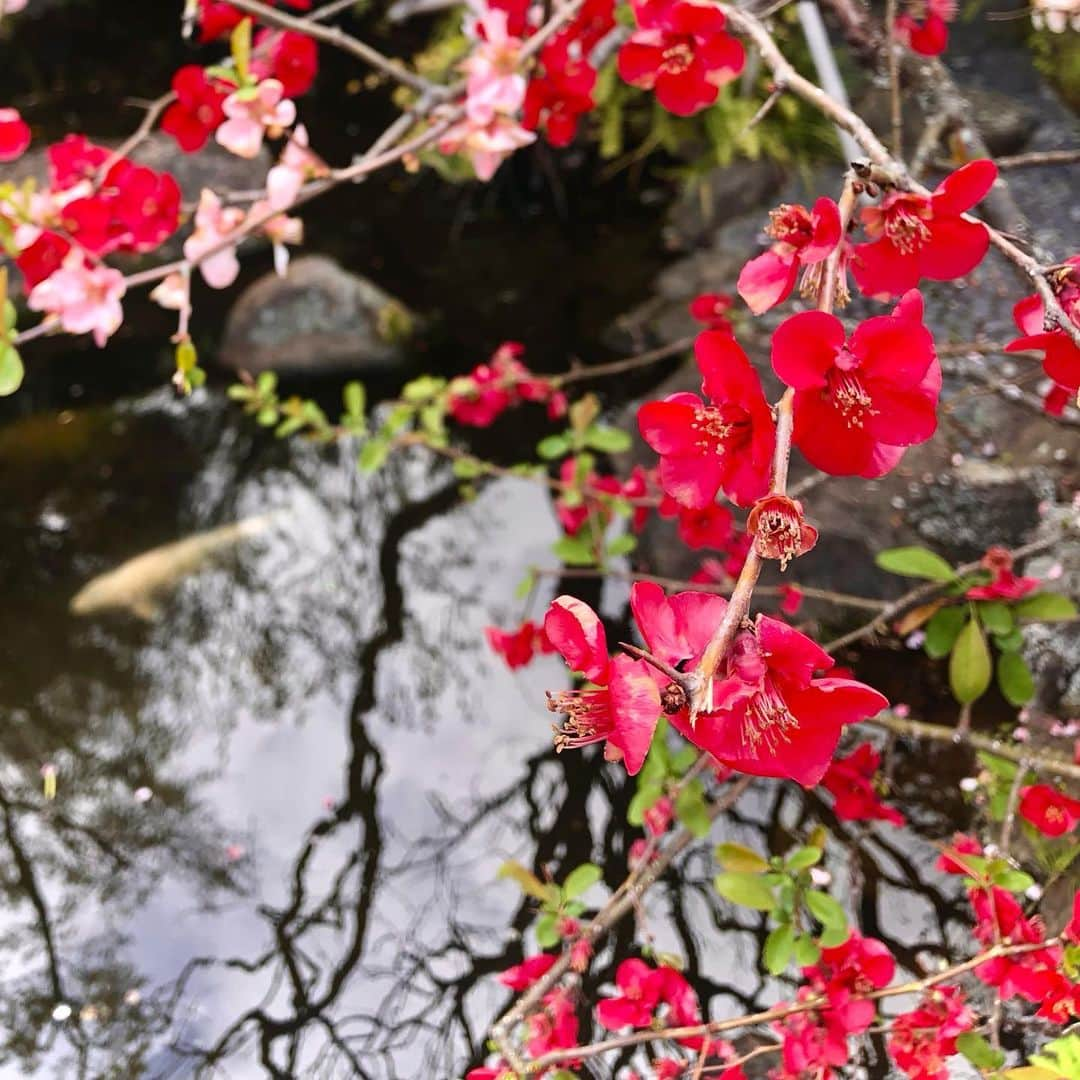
(316, 318)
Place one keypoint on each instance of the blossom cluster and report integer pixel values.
(481, 397)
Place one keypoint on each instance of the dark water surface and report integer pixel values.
(282, 806)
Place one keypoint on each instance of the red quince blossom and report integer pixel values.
(499, 1071)
(791, 599)
(709, 526)
(557, 98)
(592, 495)
(727, 443)
(859, 402)
(711, 309)
(523, 975)
(850, 780)
(73, 159)
(639, 994)
(682, 52)
(144, 203)
(197, 111)
(920, 236)
(623, 708)
(845, 973)
(42, 258)
(1005, 585)
(555, 1027)
(659, 816)
(1061, 358)
(1072, 928)
(290, 57)
(924, 28)
(479, 398)
(14, 135)
(921, 1040)
(216, 18)
(952, 859)
(1052, 812)
(779, 529)
(1055, 399)
(802, 238)
(518, 647)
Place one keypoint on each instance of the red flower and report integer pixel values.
(523, 975)
(952, 859)
(14, 135)
(659, 816)
(1051, 812)
(929, 34)
(802, 239)
(710, 527)
(624, 708)
(556, 1027)
(727, 443)
(517, 647)
(921, 1040)
(711, 309)
(639, 995)
(917, 236)
(1005, 584)
(144, 203)
(289, 57)
(681, 51)
(557, 99)
(770, 716)
(851, 781)
(90, 222)
(216, 19)
(791, 599)
(779, 530)
(197, 113)
(42, 258)
(1061, 358)
(74, 159)
(859, 402)
(1056, 398)
(1072, 929)
(479, 398)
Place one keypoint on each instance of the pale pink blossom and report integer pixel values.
(297, 164)
(214, 224)
(12, 6)
(252, 114)
(86, 299)
(281, 230)
(486, 145)
(493, 84)
(171, 293)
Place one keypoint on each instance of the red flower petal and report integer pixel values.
(961, 190)
(804, 348)
(825, 440)
(897, 350)
(825, 220)
(635, 707)
(767, 280)
(954, 249)
(790, 651)
(665, 425)
(14, 135)
(881, 270)
(576, 631)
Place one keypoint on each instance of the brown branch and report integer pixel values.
(1038, 157)
(619, 367)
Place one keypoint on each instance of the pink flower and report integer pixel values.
(802, 238)
(486, 145)
(493, 83)
(14, 135)
(214, 224)
(727, 443)
(254, 114)
(639, 994)
(280, 229)
(859, 402)
(554, 1028)
(296, 165)
(622, 710)
(523, 975)
(86, 299)
(920, 1041)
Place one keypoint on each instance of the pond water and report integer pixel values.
(282, 805)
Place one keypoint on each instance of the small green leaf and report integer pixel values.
(266, 383)
(622, 545)
(646, 796)
(691, 810)
(942, 631)
(527, 881)
(11, 370)
(372, 455)
(969, 664)
(554, 446)
(1001, 767)
(995, 616)
(979, 1052)
(525, 586)
(10, 316)
(745, 889)
(779, 948)
(580, 879)
(240, 47)
(829, 912)
(574, 550)
(807, 951)
(354, 399)
(1014, 679)
(608, 440)
(423, 389)
(1012, 880)
(915, 562)
(1046, 606)
(736, 857)
(832, 936)
(468, 468)
(547, 931)
(803, 858)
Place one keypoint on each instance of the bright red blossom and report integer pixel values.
(860, 401)
(850, 780)
(555, 1027)
(682, 52)
(1061, 358)
(727, 443)
(479, 398)
(711, 309)
(1052, 812)
(197, 112)
(144, 204)
(1004, 585)
(924, 29)
(642, 991)
(710, 526)
(920, 236)
(72, 159)
(518, 647)
(802, 238)
(14, 135)
(779, 529)
(523, 975)
(556, 99)
(289, 57)
(920, 1041)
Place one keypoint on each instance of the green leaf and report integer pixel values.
(1013, 641)
(691, 810)
(942, 631)
(10, 315)
(915, 562)
(1012, 880)
(1001, 767)
(580, 879)
(1014, 679)
(525, 586)
(979, 1052)
(554, 446)
(832, 936)
(11, 370)
(622, 545)
(354, 398)
(995, 616)
(240, 47)
(646, 796)
(468, 468)
(969, 664)
(779, 948)
(803, 858)
(736, 857)
(745, 889)
(607, 440)
(266, 383)
(564, 1074)
(1047, 606)
(423, 389)
(527, 881)
(829, 912)
(575, 550)
(807, 951)
(372, 455)
(547, 931)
